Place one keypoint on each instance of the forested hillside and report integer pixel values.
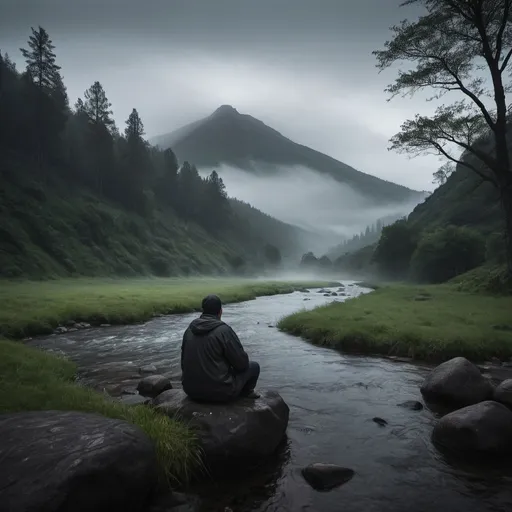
(79, 196)
(460, 226)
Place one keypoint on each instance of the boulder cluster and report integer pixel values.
(481, 424)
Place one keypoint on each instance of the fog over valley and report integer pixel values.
(303, 197)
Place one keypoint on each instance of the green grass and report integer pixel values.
(392, 321)
(32, 380)
(31, 308)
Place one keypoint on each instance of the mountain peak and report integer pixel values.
(225, 110)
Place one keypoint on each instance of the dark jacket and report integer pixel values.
(212, 358)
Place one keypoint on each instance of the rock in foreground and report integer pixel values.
(231, 433)
(479, 429)
(503, 393)
(324, 477)
(457, 382)
(56, 461)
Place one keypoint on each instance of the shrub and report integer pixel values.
(445, 253)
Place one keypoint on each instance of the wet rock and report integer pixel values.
(69, 323)
(322, 291)
(380, 421)
(503, 393)
(495, 360)
(134, 400)
(327, 294)
(507, 364)
(271, 326)
(149, 368)
(60, 330)
(479, 429)
(324, 477)
(128, 391)
(153, 385)
(105, 325)
(82, 325)
(334, 294)
(230, 434)
(306, 299)
(412, 405)
(72, 329)
(458, 382)
(68, 461)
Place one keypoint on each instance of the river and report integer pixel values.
(332, 397)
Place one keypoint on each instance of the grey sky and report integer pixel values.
(302, 66)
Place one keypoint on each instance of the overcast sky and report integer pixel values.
(303, 67)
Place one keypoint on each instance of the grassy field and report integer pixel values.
(32, 380)
(432, 323)
(30, 308)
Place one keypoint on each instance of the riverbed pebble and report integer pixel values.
(324, 477)
(153, 385)
(412, 405)
(149, 368)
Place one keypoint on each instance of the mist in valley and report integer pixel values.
(306, 198)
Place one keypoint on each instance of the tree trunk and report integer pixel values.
(506, 202)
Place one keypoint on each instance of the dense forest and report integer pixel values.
(456, 229)
(82, 196)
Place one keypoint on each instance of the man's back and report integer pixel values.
(211, 359)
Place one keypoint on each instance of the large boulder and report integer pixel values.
(480, 429)
(53, 461)
(231, 433)
(503, 393)
(153, 385)
(458, 382)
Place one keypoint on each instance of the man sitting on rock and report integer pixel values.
(215, 367)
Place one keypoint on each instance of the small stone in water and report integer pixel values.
(413, 405)
(381, 422)
(104, 325)
(150, 368)
(324, 477)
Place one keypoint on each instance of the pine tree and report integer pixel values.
(215, 202)
(167, 184)
(137, 166)
(134, 127)
(40, 58)
(47, 99)
(100, 143)
(97, 106)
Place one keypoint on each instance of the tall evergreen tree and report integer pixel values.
(41, 61)
(99, 141)
(215, 202)
(46, 99)
(137, 165)
(97, 106)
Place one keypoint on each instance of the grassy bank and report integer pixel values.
(32, 380)
(431, 323)
(30, 308)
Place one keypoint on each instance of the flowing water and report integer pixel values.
(332, 398)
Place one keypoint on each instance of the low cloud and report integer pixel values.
(306, 198)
